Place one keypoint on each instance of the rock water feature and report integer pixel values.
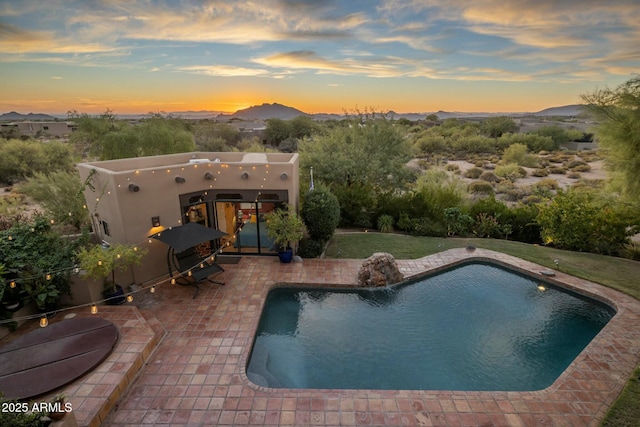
(380, 269)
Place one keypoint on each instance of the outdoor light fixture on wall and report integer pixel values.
(180, 180)
(284, 176)
(134, 188)
(245, 175)
(208, 176)
(155, 221)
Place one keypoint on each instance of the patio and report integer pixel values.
(196, 376)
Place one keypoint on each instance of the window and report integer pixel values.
(105, 228)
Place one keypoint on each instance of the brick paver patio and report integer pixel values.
(196, 375)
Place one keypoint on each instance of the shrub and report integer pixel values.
(540, 172)
(631, 251)
(548, 183)
(531, 199)
(576, 220)
(488, 226)
(385, 223)
(481, 187)
(404, 222)
(473, 173)
(510, 171)
(574, 175)
(490, 177)
(456, 222)
(427, 227)
(519, 154)
(61, 195)
(581, 168)
(504, 186)
(21, 159)
(452, 167)
(310, 248)
(557, 170)
(320, 212)
(576, 163)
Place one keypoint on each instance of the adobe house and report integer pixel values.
(134, 198)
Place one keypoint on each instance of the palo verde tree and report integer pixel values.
(357, 161)
(617, 112)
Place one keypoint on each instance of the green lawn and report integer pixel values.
(618, 273)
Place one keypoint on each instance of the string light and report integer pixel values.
(153, 289)
(76, 269)
(44, 321)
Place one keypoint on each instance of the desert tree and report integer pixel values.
(617, 112)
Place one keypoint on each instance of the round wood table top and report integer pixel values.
(47, 358)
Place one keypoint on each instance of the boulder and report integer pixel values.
(380, 269)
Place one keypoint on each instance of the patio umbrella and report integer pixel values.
(187, 236)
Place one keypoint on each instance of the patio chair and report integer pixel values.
(200, 268)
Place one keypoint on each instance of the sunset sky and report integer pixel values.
(314, 55)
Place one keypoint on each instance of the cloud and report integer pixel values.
(309, 60)
(225, 70)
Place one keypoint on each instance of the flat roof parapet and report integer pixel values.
(198, 157)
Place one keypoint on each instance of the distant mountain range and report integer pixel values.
(279, 111)
(13, 116)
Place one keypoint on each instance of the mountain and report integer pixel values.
(565, 110)
(266, 111)
(13, 116)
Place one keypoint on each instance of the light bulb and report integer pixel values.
(130, 298)
(94, 309)
(44, 322)
(152, 290)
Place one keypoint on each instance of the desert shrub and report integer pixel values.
(310, 248)
(21, 159)
(575, 163)
(531, 199)
(480, 187)
(385, 223)
(540, 173)
(452, 167)
(574, 175)
(489, 166)
(473, 173)
(557, 170)
(504, 186)
(320, 212)
(61, 195)
(490, 177)
(581, 168)
(556, 159)
(519, 154)
(549, 183)
(510, 171)
(457, 223)
(479, 164)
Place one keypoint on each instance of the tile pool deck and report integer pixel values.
(196, 374)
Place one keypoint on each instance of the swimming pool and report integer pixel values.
(473, 327)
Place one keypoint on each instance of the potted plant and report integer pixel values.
(58, 407)
(101, 262)
(285, 227)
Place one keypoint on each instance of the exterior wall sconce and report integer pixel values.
(155, 221)
(180, 180)
(208, 176)
(134, 188)
(284, 176)
(245, 175)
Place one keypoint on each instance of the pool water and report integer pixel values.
(474, 327)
